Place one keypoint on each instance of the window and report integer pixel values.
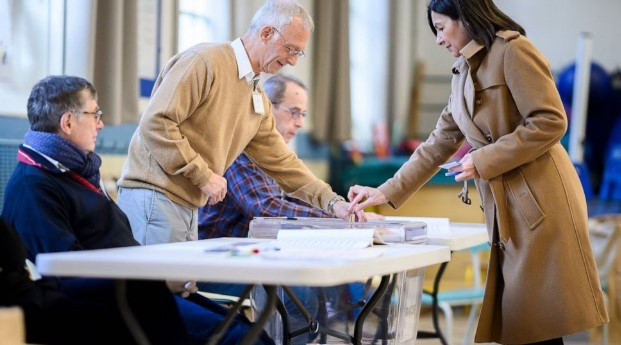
(368, 29)
(203, 21)
(31, 47)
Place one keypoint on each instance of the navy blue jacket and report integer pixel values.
(55, 212)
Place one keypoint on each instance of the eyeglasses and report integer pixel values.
(98, 114)
(292, 51)
(295, 113)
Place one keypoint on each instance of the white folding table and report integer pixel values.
(199, 261)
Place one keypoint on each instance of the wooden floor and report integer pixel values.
(460, 318)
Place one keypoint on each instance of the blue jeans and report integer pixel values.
(154, 218)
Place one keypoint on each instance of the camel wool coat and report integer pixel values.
(542, 279)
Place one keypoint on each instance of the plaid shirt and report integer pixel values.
(251, 193)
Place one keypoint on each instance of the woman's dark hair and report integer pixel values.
(481, 18)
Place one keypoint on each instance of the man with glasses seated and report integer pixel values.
(205, 110)
(56, 202)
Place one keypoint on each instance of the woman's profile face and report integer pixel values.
(450, 33)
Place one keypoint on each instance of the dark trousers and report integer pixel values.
(85, 311)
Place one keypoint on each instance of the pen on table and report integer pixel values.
(244, 251)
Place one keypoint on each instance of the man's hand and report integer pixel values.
(215, 189)
(341, 210)
(182, 288)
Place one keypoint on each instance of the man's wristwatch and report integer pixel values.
(334, 201)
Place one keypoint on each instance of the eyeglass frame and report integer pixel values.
(295, 113)
(97, 113)
(292, 51)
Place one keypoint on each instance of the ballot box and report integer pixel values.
(337, 314)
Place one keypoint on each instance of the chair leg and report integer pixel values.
(469, 335)
(448, 320)
(605, 326)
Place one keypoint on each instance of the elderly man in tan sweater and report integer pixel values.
(205, 110)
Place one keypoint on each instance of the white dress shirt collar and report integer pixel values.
(244, 67)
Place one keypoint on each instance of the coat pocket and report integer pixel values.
(524, 199)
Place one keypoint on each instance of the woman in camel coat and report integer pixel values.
(542, 281)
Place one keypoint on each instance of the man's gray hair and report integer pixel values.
(276, 85)
(280, 14)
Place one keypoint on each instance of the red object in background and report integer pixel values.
(408, 146)
(380, 140)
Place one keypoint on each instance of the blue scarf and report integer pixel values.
(69, 155)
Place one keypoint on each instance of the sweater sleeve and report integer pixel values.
(180, 89)
(270, 152)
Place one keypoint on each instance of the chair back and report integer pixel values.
(8, 161)
(605, 235)
(476, 263)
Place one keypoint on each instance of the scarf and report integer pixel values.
(66, 153)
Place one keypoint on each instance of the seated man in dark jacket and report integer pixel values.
(58, 178)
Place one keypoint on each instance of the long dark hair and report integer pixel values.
(481, 18)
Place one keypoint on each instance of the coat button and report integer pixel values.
(478, 101)
(488, 137)
(501, 245)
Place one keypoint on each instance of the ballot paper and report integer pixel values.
(324, 244)
(325, 239)
(450, 165)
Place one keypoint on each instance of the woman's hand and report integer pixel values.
(466, 170)
(362, 197)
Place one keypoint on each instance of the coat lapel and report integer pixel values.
(463, 106)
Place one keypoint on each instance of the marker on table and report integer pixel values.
(252, 250)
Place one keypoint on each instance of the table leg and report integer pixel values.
(434, 308)
(368, 308)
(286, 325)
(382, 332)
(257, 328)
(230, 316)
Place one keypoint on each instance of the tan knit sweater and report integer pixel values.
(199, 119)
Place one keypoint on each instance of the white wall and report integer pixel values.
(552, 25)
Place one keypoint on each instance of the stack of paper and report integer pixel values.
(324, 244)
(436, 226)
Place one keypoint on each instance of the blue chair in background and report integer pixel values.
(610, 189)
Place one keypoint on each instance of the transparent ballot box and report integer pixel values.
(337, 314)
